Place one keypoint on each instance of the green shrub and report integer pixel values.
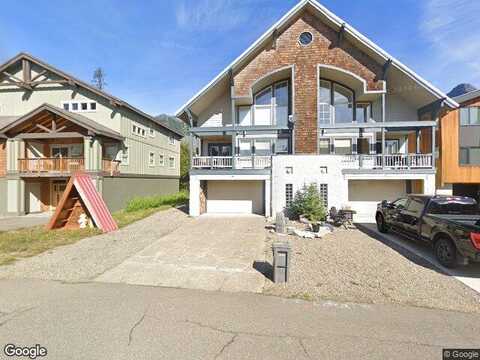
(152, 202)
(308, 202)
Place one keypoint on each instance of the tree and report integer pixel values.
(99, 78)
(184, 165)
(308, 202)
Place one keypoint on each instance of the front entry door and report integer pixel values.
(58, 187)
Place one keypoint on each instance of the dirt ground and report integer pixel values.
(350, 266)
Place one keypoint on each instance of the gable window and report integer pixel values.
(151, 158)
(336, 103)
(79, 106)
(171, 140)
(171, 162)
(151, 132)
(270, 107)
(305, 38)
(139, 130)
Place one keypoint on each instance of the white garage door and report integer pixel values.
(364, 195)
(235, 197)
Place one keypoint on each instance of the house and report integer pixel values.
(311, 101)
(459, 160)
(52, 125)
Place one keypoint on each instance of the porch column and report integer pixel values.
(234, 148)
(15, 151)
(417, 148)
(433, 146)
(87, 152)
(383, 147)
(194, 198)
(268, 192)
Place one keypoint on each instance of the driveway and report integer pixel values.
(18, 222)
(468, 275)
(210, 253)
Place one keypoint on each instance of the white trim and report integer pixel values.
(305, 32)
(140, 128)
(467, 96)
(357, 77)
(348, 30)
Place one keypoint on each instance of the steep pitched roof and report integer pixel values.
(336, 22)
(80, 83)
(171, 121)
(468, 96)
(78, 119)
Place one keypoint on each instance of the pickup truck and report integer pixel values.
(451, 224)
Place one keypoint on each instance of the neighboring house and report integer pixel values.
(311, 101)
(459, 167)
(52, 125)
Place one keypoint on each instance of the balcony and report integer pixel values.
(390, 162)
(231, 162)
(61, 166)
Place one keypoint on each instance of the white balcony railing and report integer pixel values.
(394, 161)
(229, 162)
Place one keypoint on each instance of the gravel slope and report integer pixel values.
(350, 266)
(92, 256)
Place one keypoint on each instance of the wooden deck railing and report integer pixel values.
(51, 165)
(229, 162)
(111, 167)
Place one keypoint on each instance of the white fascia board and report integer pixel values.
(339, 22)
(467, 96)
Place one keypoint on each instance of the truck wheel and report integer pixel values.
(446, 252)
(381, 226)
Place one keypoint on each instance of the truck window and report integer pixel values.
(415, 206)
(454, 206)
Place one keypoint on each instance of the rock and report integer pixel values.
(304, 234)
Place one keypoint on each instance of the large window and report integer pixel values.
(343, 146)
(271, 107)
(336, 104)
(470, 116)
(262, 147)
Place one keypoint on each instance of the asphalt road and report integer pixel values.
(118, 321)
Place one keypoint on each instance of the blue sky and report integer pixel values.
(157, 54)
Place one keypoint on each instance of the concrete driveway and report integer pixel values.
(18, 222)
(210, 253)
(468, 275)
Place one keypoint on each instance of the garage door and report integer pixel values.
(235, 197)
(364, 195)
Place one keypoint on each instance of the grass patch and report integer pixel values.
(152, 202)
(32, 241)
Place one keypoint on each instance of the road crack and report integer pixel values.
(229, 342)
(15, 314)
(139, 321)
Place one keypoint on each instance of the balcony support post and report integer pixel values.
(234, 148)
(417, 148)
(433, 147)
(383, 148)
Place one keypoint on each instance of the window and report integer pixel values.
(335, 103)
(151, 159)
(219, 149)
(271, 106)
(125, 155)
(324, 146)
(470, 116)
(323, 170)
(79, 106)
(138, 130)
(171, 140)
(363, 112)
(161, 160)
(323, 190)
(470, 155)
(263, 147)
(151, 132)
(171, 162)
(392, 146)
(343, 146)
(263, 107)
(415, 206)
(245, 147)
(288, 170)
(281, 146)
(244, 116)
(288, 194)
(281, 103)
(305, 38)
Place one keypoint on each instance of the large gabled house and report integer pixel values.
(53, 125)
(312, 101)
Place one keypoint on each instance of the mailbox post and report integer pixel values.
(281, 261)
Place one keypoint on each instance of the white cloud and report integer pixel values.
(453, 29)
(208, 14)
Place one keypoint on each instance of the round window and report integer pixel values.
(305, 38)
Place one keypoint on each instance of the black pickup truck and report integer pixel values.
(451, 224)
